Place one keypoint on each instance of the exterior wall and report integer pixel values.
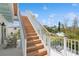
(9, 30)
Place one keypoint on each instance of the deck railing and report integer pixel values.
(66, 46)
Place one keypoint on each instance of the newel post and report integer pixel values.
(65, 45)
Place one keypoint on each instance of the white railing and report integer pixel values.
(73, 46)
(65, 46)
(42, 32)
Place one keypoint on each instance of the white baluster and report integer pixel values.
(45, 39)
(49, 45)
(75, 46)
(68, 44)
(71, 46)
(78, 47)
(65, 48)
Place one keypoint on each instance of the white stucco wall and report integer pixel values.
(9, 30)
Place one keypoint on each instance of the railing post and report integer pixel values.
(78, 47)
(65, 46)
(49, 45)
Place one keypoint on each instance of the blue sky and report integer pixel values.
(52, 13)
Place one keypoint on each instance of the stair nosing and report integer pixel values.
(42, 50)
(31, 47)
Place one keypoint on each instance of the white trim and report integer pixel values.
(11, 9)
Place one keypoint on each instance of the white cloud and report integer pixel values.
(74, 4)
(71, 15)
(23, 13)
(43, 21)
(51, 16)
(45, 7)
(36, 15)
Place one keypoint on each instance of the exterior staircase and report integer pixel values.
(34, 44)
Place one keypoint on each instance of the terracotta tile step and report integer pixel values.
(35, 47)
(32, 37)
(40, 52)
(46, 55)
(33, 42)
(28, 25)
(30, 31)
(24, 19)
(31, 34)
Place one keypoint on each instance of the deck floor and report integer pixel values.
(11, 52)
(53, 52)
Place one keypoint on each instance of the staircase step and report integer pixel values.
(30, 31)
(40, 52)
(46, 55)
(32, 37)
(31, 34)
(29, 27)
(35, 47)
(33, 42)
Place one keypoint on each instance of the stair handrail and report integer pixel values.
(44, 28)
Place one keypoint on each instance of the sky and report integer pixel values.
(52, 13)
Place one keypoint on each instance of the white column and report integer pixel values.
(49, 45)
(65, 48)
(0, 34)
(23, 39)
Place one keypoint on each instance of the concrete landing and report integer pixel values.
(11, 52)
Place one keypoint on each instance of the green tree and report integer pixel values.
(59, 26)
